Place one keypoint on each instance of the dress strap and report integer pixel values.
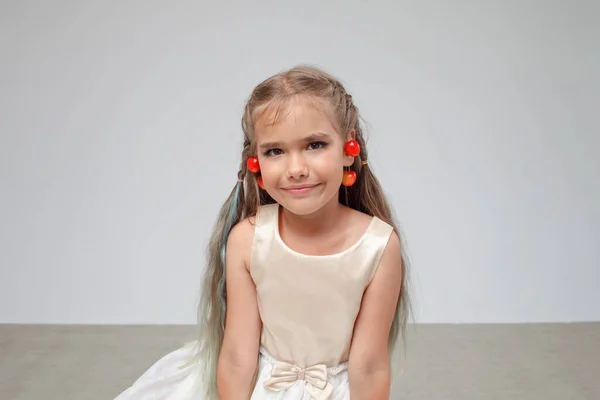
(267, 221)
(267, 214)
(377, 236)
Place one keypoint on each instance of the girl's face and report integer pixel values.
(301, 157)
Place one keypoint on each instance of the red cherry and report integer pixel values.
(253, 164)
(349, 178)
(352, 148)
(260, 183)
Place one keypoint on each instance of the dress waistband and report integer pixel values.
(284, 375)
(265, 355)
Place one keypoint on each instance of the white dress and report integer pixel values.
(308, 306)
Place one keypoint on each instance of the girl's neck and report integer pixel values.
(322, 221)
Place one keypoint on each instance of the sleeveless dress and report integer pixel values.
(308, 306)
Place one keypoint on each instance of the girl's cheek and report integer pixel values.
(328, 161)
(269, 169)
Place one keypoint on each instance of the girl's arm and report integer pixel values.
(238, 360)
(369, 364)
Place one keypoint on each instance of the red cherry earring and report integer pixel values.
(349, 178)
(254, 166)
(352, 148)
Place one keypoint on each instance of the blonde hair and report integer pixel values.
(366, 195)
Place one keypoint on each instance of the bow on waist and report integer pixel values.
(284, 376)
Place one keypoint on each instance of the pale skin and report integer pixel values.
(318, 225)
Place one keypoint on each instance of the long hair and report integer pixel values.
(366, 195)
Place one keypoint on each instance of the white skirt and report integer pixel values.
(166, 380)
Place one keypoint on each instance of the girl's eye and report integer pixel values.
(312, 146)
(272, 152)
(316, 145)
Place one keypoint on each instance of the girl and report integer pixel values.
(305, 293)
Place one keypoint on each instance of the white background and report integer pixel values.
(120, 137)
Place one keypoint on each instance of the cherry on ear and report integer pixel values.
(253, 164)
(352, 148)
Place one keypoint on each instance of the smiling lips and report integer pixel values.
(300, 189)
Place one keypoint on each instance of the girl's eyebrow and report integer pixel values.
(310, 138)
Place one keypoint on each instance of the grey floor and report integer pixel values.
(554, 361)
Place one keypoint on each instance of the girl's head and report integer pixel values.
(296, 123)
(301, 153)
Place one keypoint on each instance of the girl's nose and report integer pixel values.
(297, 167)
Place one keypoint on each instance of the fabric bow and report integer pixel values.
(284, 376)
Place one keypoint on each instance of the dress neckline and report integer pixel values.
(297, 253)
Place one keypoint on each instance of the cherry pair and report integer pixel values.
(352, 148)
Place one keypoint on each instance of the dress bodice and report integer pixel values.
(309, 304)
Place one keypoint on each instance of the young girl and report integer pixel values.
(305, 292)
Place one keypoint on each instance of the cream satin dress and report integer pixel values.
(308, 306)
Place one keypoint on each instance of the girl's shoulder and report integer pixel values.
(241, 238)
(245, 228)
(360, 221)
(362, 227)
(243, 231)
